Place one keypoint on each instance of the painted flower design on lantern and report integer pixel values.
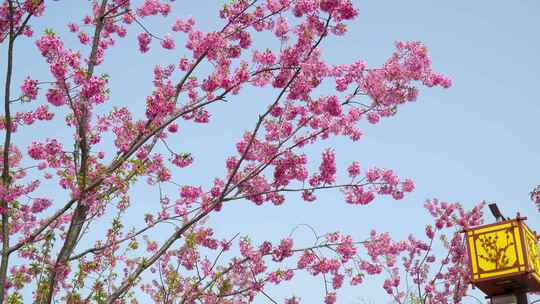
(496, 250)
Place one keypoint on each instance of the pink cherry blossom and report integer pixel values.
(30, 88)
(144, 40)
(167, 42)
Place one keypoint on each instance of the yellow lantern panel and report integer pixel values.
(533, 257)
(495, 250)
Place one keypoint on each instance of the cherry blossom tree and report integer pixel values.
(110, 148)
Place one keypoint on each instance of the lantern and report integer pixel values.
(504, 257)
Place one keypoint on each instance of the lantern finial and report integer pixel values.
(496, 212)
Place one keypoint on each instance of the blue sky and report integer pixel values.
(475, 141)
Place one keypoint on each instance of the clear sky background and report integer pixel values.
(477, 141)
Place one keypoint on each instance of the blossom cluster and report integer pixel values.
(442, 279)
(535, 196)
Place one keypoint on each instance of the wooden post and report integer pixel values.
(522, 298)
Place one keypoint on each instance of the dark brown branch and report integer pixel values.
(80, 213)
(6, 179)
